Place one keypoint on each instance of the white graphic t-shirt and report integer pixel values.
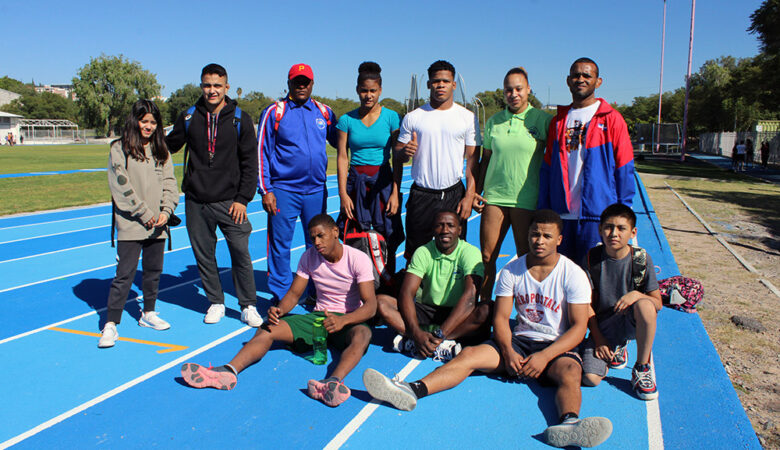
(542, 310)
(576, 123)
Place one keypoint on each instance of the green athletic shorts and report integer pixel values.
(301, 326)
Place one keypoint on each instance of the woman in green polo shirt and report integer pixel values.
(513, 147)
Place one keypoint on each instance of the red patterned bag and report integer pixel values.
(681, 293)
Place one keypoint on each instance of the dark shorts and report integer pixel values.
(618, 329)
(525, 347)
(421, 208)
(301, 326)
(430, 317)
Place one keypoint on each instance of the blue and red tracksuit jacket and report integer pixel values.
(292, 156)
(608, 164)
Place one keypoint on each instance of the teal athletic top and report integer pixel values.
(369, 146)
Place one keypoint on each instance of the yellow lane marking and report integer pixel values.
(167, 347)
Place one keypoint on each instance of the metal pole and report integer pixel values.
(688, 83)
(661, 83)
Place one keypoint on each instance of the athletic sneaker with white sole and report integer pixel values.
(251, 317)
(396, 392)
(446, 350)
(109, 336)
(643, 381)
(215, 313)
(151, 319)
(586, 432)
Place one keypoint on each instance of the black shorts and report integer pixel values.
(525, 347)
(430, 317)
(421, 208)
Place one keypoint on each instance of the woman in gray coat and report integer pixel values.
(143, 188)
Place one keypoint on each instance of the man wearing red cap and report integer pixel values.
(292, 159)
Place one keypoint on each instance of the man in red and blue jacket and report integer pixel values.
(588, 164)
(292, 159)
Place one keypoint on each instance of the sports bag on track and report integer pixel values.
(681, 293)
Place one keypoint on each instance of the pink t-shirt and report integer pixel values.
(337, 283)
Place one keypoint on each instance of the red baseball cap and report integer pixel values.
(300, 70)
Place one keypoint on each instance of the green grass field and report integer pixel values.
(37, 193)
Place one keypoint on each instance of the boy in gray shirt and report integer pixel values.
(625, 303)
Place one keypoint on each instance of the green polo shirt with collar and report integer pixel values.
(517, 142)
(443, 276)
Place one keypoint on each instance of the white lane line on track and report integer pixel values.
(366, 412)
(407, 168)
(195, 280)
(655, 436)
(114, 264)
(70, 413)
(138, 298)
(106, 242)
(257, 199)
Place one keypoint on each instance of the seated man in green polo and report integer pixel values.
(437, 304)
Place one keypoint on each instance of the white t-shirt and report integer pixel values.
(741, 149)
(441, 139)
(542, 310)
(576, 122)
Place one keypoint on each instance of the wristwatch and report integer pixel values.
(438, 334)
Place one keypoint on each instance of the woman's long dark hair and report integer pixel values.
(131, 133)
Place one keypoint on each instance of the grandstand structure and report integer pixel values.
(663, 138)
(49, 131)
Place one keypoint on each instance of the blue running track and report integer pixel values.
(60, 391)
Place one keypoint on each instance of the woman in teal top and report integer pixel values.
(368, 188)
(513, 147)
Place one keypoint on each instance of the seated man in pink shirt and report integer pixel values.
(344, 279)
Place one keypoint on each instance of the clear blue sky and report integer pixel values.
(258, 41)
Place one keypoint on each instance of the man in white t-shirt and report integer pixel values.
(344, 278)
(438, 136)
(551, 295)
(589, 161)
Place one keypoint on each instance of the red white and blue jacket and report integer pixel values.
(608, 164)
(292, 153)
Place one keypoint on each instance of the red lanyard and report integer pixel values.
(211, 134)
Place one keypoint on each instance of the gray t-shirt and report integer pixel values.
(615, 282)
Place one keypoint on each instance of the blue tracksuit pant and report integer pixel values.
(281, 227)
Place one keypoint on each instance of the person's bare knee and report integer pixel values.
(360, 336)
(483, 311)
(386, 304)
(644, 311)
(591, 379)
(566, 372)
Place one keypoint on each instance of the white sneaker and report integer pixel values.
(446, 350)
(215, 313)
(150, 319)
(109, 337)
(251, 317)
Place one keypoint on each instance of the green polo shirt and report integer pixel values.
(443, 276)
(517, 142)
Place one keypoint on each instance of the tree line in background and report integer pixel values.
(726, 93)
